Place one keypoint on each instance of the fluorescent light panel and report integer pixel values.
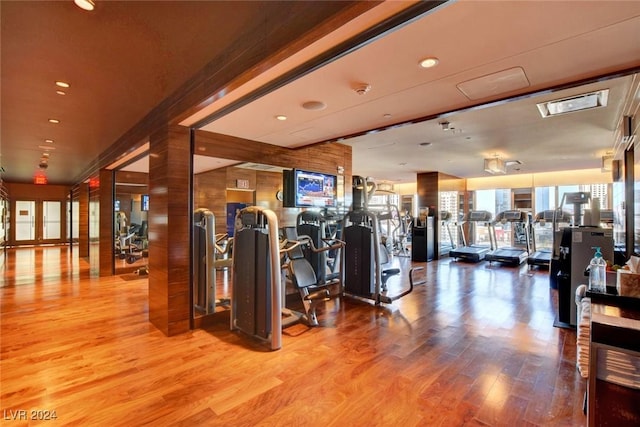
(586, 101)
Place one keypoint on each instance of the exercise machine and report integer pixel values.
(256, 297)
(445, 224)
(541, 256)
(322, 229)
(518, 253)
(364, 254)
(392, 224)
(473, 252)
(302, 276)
(207, 255)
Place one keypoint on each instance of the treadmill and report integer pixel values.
(445, 222)
(517, 254)
(541, 257)
(473, 253)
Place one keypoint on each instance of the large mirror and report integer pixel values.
(131, 226)
(220, 188)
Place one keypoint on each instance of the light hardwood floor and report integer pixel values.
(475, 345)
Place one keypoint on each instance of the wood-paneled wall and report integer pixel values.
(210, 187)
(211, 192)
(325, 157)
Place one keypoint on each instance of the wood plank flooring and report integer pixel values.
(475, 345)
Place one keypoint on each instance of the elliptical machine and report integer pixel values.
(364, 254)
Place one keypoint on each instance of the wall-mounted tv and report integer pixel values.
(144, 202)
(308, 189)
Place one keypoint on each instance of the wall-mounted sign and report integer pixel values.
(40, 179)
(242, 183)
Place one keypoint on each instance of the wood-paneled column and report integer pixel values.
(429, 186)
(83, 220)
(169, 231)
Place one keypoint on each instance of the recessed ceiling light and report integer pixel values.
(46, 147)
(314, 105)
(61, 92)
(281, 117)
(85, 4)
(425, 144)
(62, 84)
(45, 154)
(429, 62)
(387, 116)
(49, 141)
(55, 121)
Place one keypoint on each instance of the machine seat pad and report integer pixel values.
(302, 272)
(322, 294)
(391, 272)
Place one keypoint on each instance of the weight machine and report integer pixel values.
(256, 297)
(364, 254)
(209, 254)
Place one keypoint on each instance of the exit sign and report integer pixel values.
(40, 179)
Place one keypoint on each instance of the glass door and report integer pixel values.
(51, 220)
(25, 216)
(39, 221)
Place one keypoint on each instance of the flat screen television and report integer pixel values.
(309, 189)
(145, 202)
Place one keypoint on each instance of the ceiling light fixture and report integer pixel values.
(60, 83)
(49, 141)
(281, 117)
(429, 62)
(445, 125)
(61, 92)
(54, 121)
(607, 163)
(585, 101)
(495, 165)
(85, 4)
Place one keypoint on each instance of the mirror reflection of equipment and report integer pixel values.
(210, 252)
